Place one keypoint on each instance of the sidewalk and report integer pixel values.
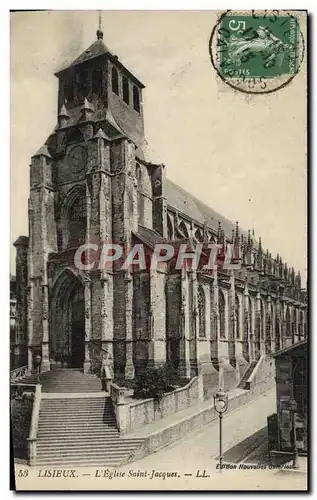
(184, 415)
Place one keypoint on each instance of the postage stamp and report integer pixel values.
(257, 51)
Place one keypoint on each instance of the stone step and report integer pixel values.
(94, 413)
(82, 459)
(80, 427)
(102, 417)
(79, 431)
(59, 431)
(97, 426)
(83, 405)
(99, 440)
(101, 410)
(79, 462)
(82, 420)
(79, 401)
(77, 451)
(79, 410)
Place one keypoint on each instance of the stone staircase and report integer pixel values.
(64, 380)
(81, 432)
(77, 425)
(243, 384)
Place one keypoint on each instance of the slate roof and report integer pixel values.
(148, 236)
(179, 199)
(291, 349)
(96, 49)
(75, 117)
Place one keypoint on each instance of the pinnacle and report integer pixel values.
(43, 151)
(63, 112)
(100, 135)
(87, 105)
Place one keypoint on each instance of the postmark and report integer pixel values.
(257, 52)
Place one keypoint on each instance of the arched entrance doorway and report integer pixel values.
(67, 342)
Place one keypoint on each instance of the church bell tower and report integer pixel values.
(83, 190)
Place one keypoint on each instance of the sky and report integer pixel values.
(244, 155)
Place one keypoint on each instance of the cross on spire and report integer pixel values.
(99, 31)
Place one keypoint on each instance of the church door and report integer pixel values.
(77, 305)
(67, 332)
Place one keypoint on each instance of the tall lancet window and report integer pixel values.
(125, 89)
(77, 222)
(169, 229)
(262, 319)
(293, 325)
(222, 314)
(277, 329)
(237, 316)
(201, 312)
(136, 98)
(288, 331)
(301, 325)
(250, 316)
(114, 81)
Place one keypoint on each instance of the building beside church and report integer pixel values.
(92, 182)
(289, 425)
(13, 307)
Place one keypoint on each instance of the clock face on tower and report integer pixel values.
(77, 158)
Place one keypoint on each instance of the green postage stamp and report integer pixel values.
(261, 48)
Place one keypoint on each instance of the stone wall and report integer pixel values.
(263, 377)
(136, 415)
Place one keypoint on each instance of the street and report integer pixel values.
(192, 463)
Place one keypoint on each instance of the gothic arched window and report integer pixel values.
(199, 235)
(222, 315)
(305, 325)
(114, 81)
(268, 332)
(262, 318)
(277, 330)
(250, 315)
(183, 230)
(237, 316)
(169, 229)
(125, 89)
(288, 331)
(201, 312)
(96, 80)
(77, 222)
(293, 324)
(136, 98)
(82, 85)
(301, 325)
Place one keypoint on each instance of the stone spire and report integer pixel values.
(63, 117)
(99, 31)
(219, 231)
(87, 109)
(260, 254)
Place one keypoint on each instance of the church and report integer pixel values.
(92, 182)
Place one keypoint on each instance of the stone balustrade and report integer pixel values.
(32, 439)
(19, 373)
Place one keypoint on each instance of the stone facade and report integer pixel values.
(91, 182)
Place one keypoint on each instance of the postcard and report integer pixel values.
(158, 296)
